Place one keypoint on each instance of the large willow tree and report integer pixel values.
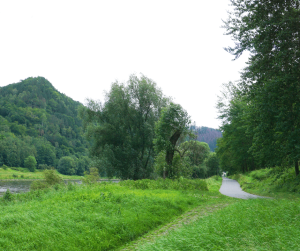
(122, 128)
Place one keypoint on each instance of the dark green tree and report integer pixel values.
(212, 164)
(67, 165)
(122, 128)
(270, 31)
(173, 123)
(30, 163)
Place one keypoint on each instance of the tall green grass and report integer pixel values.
(180, 184)
(23, 173)
(257, 224)
(275, 181)
(89, 217)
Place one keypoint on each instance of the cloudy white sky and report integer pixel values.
(81, 47)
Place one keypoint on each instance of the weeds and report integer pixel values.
(179, 184)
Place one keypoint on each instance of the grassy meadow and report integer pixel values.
(254, 224)
(101, 216)
(150, 215)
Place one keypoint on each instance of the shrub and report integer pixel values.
(30, 163)
(51, 177)
(92, 176)
(4, 167)
(179, 184)
(38, 184)
(44, 166)
(8, 196)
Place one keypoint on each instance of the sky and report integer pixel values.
(82, 47)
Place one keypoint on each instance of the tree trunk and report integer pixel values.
(296, 167)
(170, 152)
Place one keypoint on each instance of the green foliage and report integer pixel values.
(67, 166)
(52, 178)
(94, 217)
(122, 128)
(270, 181)
(212, 163)
(180, 166)
(269, 84)
(38, 185)
(8, 196)
(36, 120)
(249, 225)
(92, 176)
(178, 184)
(30, 163)
(173, 123)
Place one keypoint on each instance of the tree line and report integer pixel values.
(260, 113)
(140, 133)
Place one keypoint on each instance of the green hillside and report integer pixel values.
(37, 120)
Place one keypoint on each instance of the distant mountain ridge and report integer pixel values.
(208, 135)
(38, 120)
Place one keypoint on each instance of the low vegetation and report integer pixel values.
(97, 216)
(274, 182)
(7, 173)
(254, 224)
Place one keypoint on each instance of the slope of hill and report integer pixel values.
(37, 120)
(208, 135)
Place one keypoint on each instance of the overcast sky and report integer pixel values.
(81, 47)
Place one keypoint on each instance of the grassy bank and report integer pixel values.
(254, 224)
(23, 173)
(92, 217)
(275, 182)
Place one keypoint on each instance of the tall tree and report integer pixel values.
(122, 128)
(270, 31)
(173, 123)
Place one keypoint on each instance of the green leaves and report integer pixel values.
(122, 128)
(270, 84)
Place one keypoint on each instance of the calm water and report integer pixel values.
(22, 186)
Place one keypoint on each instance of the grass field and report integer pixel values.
(92, 217)
(24, 173)
(151, 215)
(255, 224)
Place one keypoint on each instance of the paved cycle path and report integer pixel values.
(232, 188)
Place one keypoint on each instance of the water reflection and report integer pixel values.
(22, 186)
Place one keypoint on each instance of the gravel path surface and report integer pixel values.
(232, 188)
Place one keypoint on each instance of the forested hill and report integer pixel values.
(37, 120)
(208, 135)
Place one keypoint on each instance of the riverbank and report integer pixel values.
(19, 173)
(100, 216)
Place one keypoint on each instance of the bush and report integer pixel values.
(44, 166)
(30, 163)
(8, 196)
(92, 176)
(4, 167)
(179, 184)
(38, 184)
(52, 178)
